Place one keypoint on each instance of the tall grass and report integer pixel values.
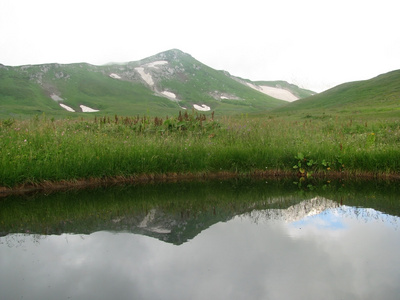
(40, 149)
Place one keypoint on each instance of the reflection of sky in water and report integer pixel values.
(329, 219)
(329, 255)
(340, 217)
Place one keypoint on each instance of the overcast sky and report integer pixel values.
(312, 43)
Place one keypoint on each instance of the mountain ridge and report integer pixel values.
(163, 83)
(170, 81)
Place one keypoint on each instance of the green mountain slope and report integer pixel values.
(277, 89)
(31, 90)
(379, 94)
(158, 85)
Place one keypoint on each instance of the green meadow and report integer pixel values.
(44, 149)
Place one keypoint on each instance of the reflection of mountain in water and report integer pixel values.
(176, 213)
(174, 230)
(367, 215)
(181, 227)
(178, 229)
(321, 208)
(295, 212)
(169, 227)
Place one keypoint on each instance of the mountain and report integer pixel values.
(380, 94)
(158, 85)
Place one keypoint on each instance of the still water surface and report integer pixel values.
(232, 240)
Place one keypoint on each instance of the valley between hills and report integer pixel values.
(170, 117)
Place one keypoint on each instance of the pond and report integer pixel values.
(233, 239)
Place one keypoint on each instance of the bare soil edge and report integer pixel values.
(47, 187)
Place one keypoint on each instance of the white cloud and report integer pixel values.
(311, 43)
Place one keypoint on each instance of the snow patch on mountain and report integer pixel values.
(56, 97)
(87, 109)
(169, 94)
(145, 76)
(155, 64)
(277, 93)
(83, 108)
(115, 76)
(217, 95)
(67, 107)
(202, 107)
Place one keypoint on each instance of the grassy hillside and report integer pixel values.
(18, 94)
(37, 89)
(26, 91)
(379, 95)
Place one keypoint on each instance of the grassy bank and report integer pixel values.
(43, 149)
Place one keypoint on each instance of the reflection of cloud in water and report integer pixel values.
(326, 220)
(249, 257)
(341, 218)
(322, 217)
(322, 213)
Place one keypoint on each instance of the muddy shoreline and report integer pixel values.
(47, 187)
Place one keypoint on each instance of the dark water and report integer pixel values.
(204, 240)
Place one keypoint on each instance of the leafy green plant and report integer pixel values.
(336, 164)
(326, 164)
(304, 165)
(339, 165)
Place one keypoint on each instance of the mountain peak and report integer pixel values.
(172, 54)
